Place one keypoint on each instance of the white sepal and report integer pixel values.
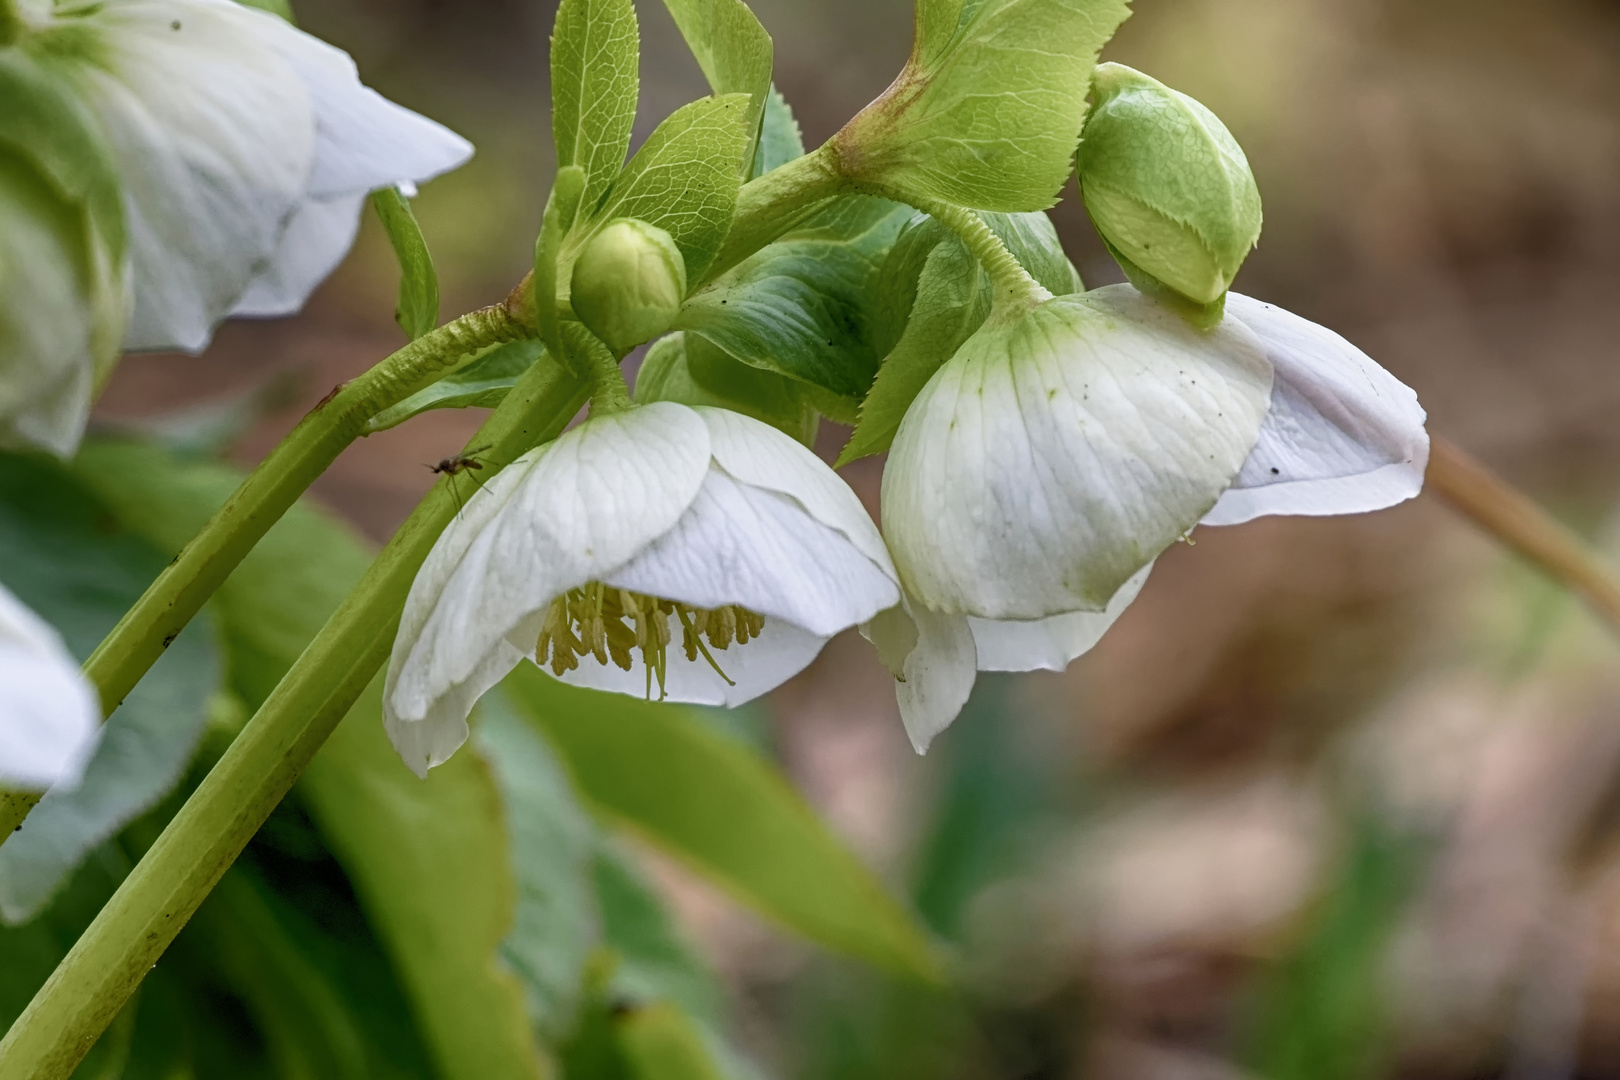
(934, 665)
(1052, 643)
(1052, 458)
(1342, 436)
(49, 713)
(558, 517)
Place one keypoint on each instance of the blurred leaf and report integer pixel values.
(659, 1042)
(595, 49)
(428, 859)
(693, 371)
(481, 384)
(684, 180)
(779, 138)
(654, 963)
(553, 847)
(417, 310)
(274, 7)
(802, 306)
(734, 52)
(724, 811)
(1322, 1012)
(949, 301)
(64, 555)
(988, 110)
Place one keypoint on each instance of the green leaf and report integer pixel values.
(562, 208)
(779, 138)
(274, 7)
(949, 301)
(417, 311)
(654, 962)
(734, 52)
(481, 384)
(595, 49)
(428, 859)
(988, 109)
(692, 371)
(684, 180)
(802, 306)
(553, 846)
(723, 810)
(660, 1042)
(63, 555)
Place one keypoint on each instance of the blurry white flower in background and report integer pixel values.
(49, 714)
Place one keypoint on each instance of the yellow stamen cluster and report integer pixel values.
(608, 623)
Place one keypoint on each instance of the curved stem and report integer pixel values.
(1015, 291)
(772, 204)
(109, 960)
(171, 601)
(1507, 514)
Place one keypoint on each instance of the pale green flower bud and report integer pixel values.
(629, 283)
(1166, 185)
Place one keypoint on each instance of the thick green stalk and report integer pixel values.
(772, 204)
(1015, 290)
(174, 598)
(108, 962)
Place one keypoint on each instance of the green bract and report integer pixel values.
(1167, 186)
(63, 278)
(988, 107)
(628, 283)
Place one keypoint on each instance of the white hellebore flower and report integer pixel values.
(49, 715)
(706, 548)
(245, 149)
(1047, 464)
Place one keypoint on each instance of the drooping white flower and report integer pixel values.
(246, 148)
(1045, 466)
(49, 714)
(667, 551)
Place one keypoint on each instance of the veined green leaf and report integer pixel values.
(684, 180)
(414, 850)
(693, 371)
(988, 109)
(949, 301)
(595, 50)
(779, 139)
(481, 384)
(802, 306)
(417, 311)
(726, 813)
(734, 52)
(62, 555)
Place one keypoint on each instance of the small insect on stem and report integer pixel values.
(455, 466)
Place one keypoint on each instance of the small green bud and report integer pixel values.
(628, 283)
(1166, 185)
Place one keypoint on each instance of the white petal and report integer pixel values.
(780, 652)
(214, 135)
(49, 714)
(739, 545)
(319, 234)
(1050, 460)
(934, 662)
(1343, 436)
(763, 457)
(562, 515)
(1049, 644)
(363, 140)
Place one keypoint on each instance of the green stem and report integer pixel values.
(1015, 290)
(769, 206)
(109, 960)
(11, 22)
(169, 604)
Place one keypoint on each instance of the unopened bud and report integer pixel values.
(1166, 185)
(628, 283)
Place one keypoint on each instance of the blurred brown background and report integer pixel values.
(1442, 185)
